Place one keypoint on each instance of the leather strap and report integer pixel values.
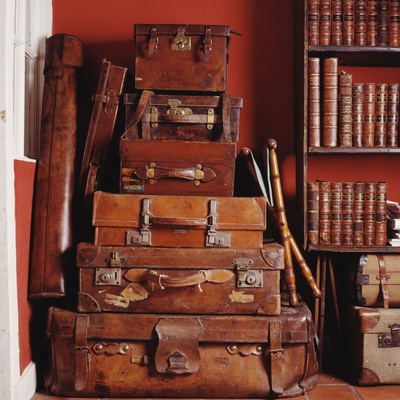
(226, 116)
(82, 356)
(276, 356)
(92, 175)
(383, 278)
(207, 43)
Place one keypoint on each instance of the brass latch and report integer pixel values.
(390, 339)
(247, 277)
(181, 42)
(210, 119)
(174, 108)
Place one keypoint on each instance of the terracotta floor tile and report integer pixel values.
(379, 392)
(333, 392)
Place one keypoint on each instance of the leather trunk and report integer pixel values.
(162, 355)
(183, 117)
(178, 221)
(177, 167)
(179, 280)
(374, 345)
(374, 280)
(52, 220)
(181, 57)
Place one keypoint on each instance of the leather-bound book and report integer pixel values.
(325, 22)
(336, 213)
(383, 22)
(392, 124)
(337, 22)
(360, 23)
(358, 214)
(324, 213)
(313, 22)
(369, 115)
(312, 212)
(345, 109)
(348, 22)
(381, 96)
(314, 102)
(347, 213)
(330, 103)
(372, 22)
(358, 114)
(394, 23)
(380, 214)
(369, 213)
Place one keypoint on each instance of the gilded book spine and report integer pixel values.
(394, 23)
(381, 98)
(347, 213)
(348, 22)
(336, 213)
(330, 103)
(358, 114)
(313, 22)
(372, 22)
(345, 109)
(383, 23)
(358, 214)
(313, 212)
(380, 214)
(314, 102)
(337, 22)
(392, 125)
(369, 213)
(360, 25)
(324, 213)
(325, 22)
(369, 115)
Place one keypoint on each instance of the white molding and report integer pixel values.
(26, 386)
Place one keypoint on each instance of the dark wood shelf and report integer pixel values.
(354, 249)
(354, 150)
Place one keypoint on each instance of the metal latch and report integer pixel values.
(174, 108)
(210, 118)
(180, 41)
(390, 339)
(108, 276)
(153, 117)
(247, 277)
(215, 238)
(144, 236)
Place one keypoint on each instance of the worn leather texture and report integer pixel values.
(163, 355)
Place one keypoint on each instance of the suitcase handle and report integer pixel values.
(213, 276)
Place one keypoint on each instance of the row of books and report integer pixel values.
(347, 213)
(353, 22)
(350, 114)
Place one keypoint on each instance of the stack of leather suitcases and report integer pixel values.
(179, 294)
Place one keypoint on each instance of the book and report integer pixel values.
(380, 214)
(381, 96)
(383, 23)
(348, 22)
(325, 22)
(358, 114)
(392, 124)
(345, 109)
(360, 23)
(337, 22)
(313, 212)
(314, 102)
(330, 102)
(372, 22)
(336, 213)
(369, 114)
(369, 213)
(394, 22)
(347, 213)
(324, 213)
(358, 214)
(313, 22)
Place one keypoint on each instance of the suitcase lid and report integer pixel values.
(172, 29)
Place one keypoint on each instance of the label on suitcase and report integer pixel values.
(159, 355)
(183, 117)
(177, 167)
(178, 221)
(179, 280)
(181, 57)
(374, 345)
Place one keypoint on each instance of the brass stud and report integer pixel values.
(233, 347)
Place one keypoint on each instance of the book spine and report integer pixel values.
(392, 125)
(360, 23)
(313, 212)
(381, 98)
(324, 213)
(372, 22)
(380, 214)
(313, 22)
(369, 213)
(347, 213)
(337, 22)
(345, 109)
(348, 22)
(325, 22)
(383, 23)
(358, 114)
(394, 22)
(330, 103)
(314, 102)
(358, 214)
(369, 115)
(336, 213)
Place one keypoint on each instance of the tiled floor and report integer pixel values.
(329, 388)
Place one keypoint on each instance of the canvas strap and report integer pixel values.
(82, 355)
(383, 279)
(276, 356)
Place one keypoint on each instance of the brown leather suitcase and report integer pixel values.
(181, 57)
(178, 221)
(52, 219)
(182, 117)
(177, 167)
(373, 345)
(179, 280)
(160, 355)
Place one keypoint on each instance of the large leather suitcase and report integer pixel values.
(177, 167)
(373, 345)
(161, 355)
(182, 117)
(373, 280)
(179, 280)
(178, 221)
(181, 57)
